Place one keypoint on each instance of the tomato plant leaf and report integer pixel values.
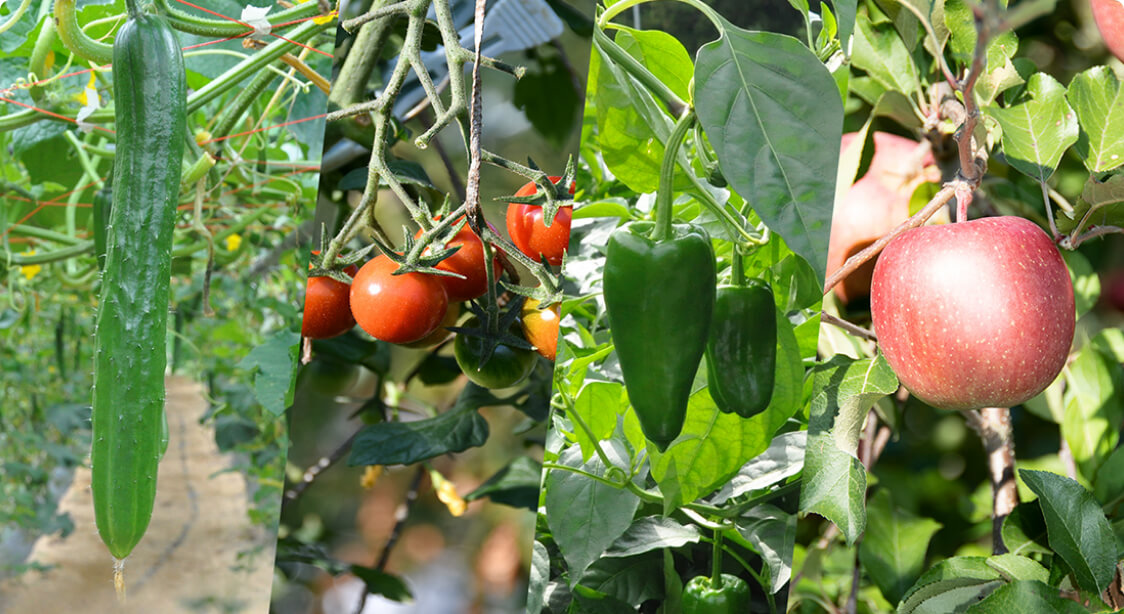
(1026, 596)
(652, 533)
(381, 583)
(951, 586)
(274, 364)
(1099, 102)
(1038, 129)
(406, 443)
(834, 483)
(772, 532)
(517, 484)
(1076, 526)
(769, 108)
(892, 551)
(586, 516)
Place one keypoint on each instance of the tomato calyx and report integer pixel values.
(559, 194)
(491, 339)
(342, 269)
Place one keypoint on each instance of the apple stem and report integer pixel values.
(963, 201)
(993, 425)
(929, 210)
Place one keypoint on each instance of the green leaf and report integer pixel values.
(1094, 408)
(834, 483)
(517, 484)
(1077, 529)
(952, 585)
(1099, 102)
(1038, 129)
(714, 445)
(633, 579)
(406, 443)
(882, 54)
(845, 16)
(274, 364)
(772, 532)
(893, 550)
(769, 107)
(1099, 195)
(1016, 567)
(547, 97)
(586, 516)
(1026, 596)
(663, 55)
(783, 458)
(1086, 282)
(1109, 482)
(599, 404)
(381, 583)
(539, 578)
(1024, 530)
(652, 533)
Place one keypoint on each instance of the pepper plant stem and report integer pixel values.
(664, 194)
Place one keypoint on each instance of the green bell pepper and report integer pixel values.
(700, 596)
(659, 296)
(741, 355)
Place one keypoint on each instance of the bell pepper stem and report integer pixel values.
(667, 175)
(738, 268)
(716, 561)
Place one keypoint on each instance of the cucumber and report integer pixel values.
(149, 91)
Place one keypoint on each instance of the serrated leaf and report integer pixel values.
(1096, 97)
(1017, 567)
(1077, 528)
(834, 484)
(1109, 482)
(882, 54)
(952, 585)
(768, 106)
(1026, 596)
(652, 533)
(1038, 129)
(1024, 530)
(1094, 408)
(892, 551)
(586, 516)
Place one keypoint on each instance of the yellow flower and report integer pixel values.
(370, 476)
(233, 241)
(30, 270)
(324, 18)
(447, 494)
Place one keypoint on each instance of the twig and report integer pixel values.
(854, 329)
(402, 514)
(993, 425)
(317, 469)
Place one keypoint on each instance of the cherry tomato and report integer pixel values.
(540, 327)
(530, 233)
(326, 309)
(396, 308)
(505, 368)
(467, 261)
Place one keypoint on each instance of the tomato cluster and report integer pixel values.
(416, 309)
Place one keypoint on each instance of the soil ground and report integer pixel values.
(201, 554)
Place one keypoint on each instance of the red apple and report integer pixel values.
(875, 204)
(975, 314)
(1109, 15)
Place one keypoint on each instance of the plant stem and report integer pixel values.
(993, 425)
(664, 194)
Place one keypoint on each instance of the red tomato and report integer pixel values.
(468, 261)
(396, 308)
(326, 309)
(530, 233)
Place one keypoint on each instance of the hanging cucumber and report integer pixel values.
(149, 92)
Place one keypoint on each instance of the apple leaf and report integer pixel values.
(1076, 528)
(951, 586)
(1024, 530)
(1109, 482)
(714, 445)
(773, 114)
(1026, 596)
(834, 483)
(1100, 196)
(881, 53)
(586, 516)
(1038, 129)
(1094, 408)
(1086, 282)
(772, 532)
(892, 551)
(1099, 102)
(1017, 567)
